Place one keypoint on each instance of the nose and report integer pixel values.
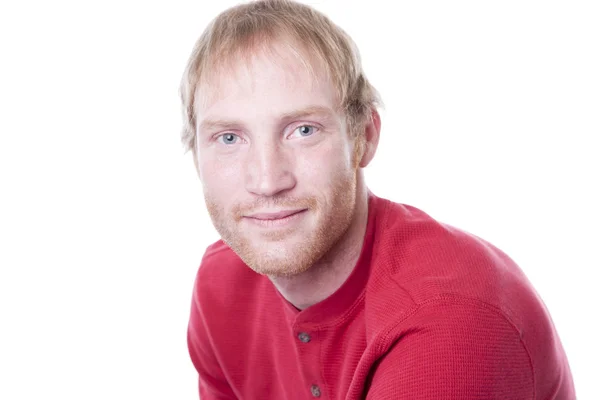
(268, 170)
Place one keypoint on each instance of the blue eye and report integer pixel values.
(228, 138)
(306, 130)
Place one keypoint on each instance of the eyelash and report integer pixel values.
(314, 127)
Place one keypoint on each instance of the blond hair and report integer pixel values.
(246, 27)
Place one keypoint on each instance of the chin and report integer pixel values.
(277, 261)
(280, 271)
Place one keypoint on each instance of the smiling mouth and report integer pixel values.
(270, 216)
(274, 219)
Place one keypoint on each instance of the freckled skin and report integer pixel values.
(271, 167)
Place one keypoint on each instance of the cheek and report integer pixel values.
(308, 168)
(220, 176)
(323, 168)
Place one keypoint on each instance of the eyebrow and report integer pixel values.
(212, 124)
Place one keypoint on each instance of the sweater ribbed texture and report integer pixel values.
(429, 312)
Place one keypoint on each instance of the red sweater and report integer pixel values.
(429, 312)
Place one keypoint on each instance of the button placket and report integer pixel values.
(309, 357)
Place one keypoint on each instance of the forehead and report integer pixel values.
(281, 77)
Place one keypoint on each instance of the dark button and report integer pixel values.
(304, 337)
(316, 392)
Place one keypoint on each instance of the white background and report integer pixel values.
(491, 124)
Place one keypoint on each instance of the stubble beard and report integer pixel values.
(280, 255)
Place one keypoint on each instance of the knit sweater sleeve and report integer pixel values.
(453, 350)
(212, 383)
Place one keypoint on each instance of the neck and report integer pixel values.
(331, 271)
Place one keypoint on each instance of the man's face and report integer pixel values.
(277, 164)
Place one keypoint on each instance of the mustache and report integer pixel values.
(273, 203)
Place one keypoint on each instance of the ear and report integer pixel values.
(371, 138)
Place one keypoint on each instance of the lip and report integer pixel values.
(275, 220)
(270, 216)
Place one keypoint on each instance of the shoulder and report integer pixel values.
(425, 259)
(434, 282)
(219, 262)
(225, 291)
(222, 278)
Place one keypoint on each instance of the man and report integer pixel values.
(319, 288)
